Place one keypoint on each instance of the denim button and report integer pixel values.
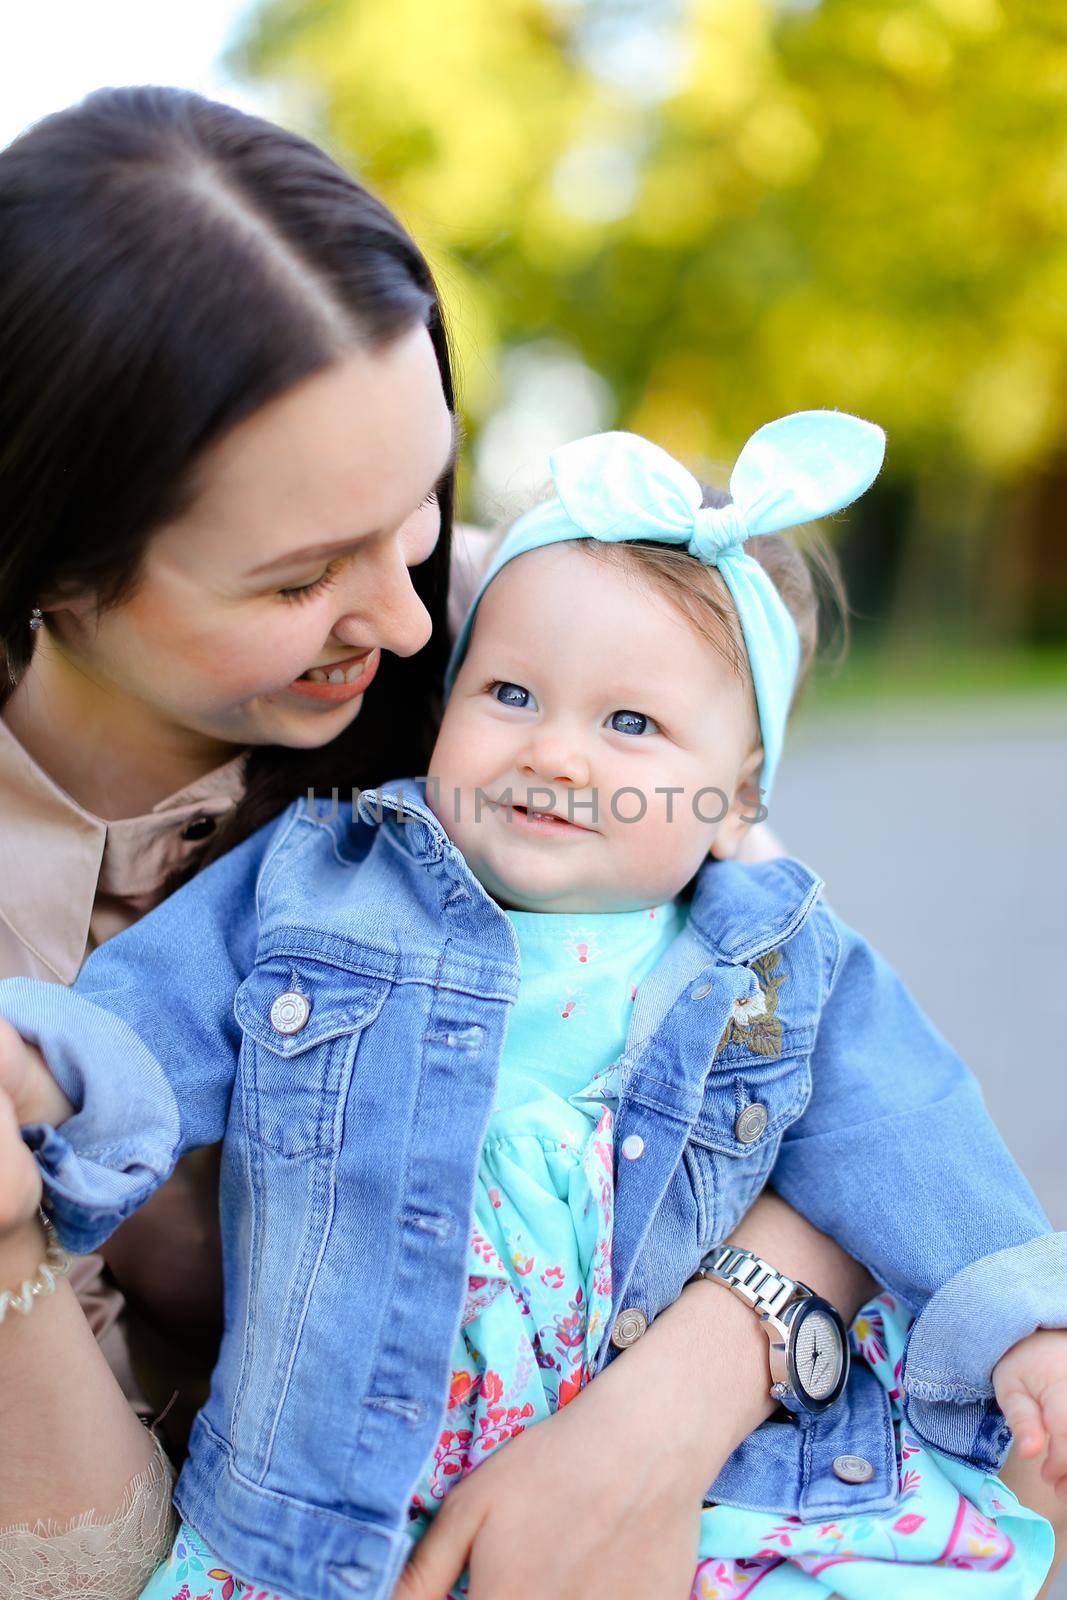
(629, 1326)
(751, 1124)
(289, 1013)
(853, 1469)
(701, 991)
(633, 1146)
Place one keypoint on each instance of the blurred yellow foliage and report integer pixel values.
(853, 203)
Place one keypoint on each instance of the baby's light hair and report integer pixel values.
(805, 573)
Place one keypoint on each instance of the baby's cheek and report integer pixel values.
(663, 851)
(643, 846)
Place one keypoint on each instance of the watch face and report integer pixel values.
(818, 1355)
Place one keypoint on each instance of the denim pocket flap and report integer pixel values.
(749, 1103)
(289, 1009)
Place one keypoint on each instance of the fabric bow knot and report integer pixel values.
(716, 529)
(618, 486)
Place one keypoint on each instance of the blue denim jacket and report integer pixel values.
(351, 1147)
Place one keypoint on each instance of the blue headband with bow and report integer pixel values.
(618, 487)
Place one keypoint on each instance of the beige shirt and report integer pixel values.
(69, 880)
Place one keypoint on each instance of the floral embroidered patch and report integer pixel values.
(754, 1020)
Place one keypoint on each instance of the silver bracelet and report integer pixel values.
(56, 1264)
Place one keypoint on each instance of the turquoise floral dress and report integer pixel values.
(539, 1294)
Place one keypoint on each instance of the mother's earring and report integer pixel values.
(36, 619)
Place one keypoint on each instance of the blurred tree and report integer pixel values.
(735, 208)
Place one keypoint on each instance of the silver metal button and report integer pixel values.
(751, 1124)
(701, 991)
(633, 1146)
(289, 1013)
(853, 1469)
(629, 1326)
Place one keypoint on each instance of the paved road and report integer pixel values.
(941, 834)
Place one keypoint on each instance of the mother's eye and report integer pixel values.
(319, 585)
(632, 722)
(512, 694)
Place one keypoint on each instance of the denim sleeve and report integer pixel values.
(897, 1159)
(144, 1045)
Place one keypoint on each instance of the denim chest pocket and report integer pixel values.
(302, 1029)
(749, 1102)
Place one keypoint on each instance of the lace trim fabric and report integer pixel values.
(91, 1559)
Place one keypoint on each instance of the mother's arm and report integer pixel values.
(605, 1496)
(74, 1457)
(70, 1440)
(727, 1340)
(71, 1443)
(71, 1449)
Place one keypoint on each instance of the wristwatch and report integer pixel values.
(809, 1343)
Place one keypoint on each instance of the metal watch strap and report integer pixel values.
(766, 1290)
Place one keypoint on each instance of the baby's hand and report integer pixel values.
(27, 1082)
(1031, 1389)
(28, 1093)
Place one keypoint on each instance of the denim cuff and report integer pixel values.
(122, 1141)
(86, 1200)
(961, 1334)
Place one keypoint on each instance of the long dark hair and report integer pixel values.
(167, 266)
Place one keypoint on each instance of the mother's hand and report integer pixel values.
(605, 1496)
(597, 1499)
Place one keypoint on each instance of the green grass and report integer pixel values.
(926, 675)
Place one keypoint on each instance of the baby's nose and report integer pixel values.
(556, 761)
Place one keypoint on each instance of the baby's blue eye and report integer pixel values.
(634, 722)
(512, 694)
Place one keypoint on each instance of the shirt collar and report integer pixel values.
(56, 857)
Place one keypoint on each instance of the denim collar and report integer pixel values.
(402, 804)
(740, 910)
(745, 909)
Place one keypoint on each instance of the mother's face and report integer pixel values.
(292, 560)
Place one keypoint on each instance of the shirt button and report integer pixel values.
(701, 991)
(633, 1146)
(629, 1326)
(199, 828)
(751, 1124)
(289, 1013)
(853, 1469)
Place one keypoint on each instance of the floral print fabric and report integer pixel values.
(539, 1291)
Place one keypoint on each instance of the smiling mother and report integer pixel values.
(227, 449)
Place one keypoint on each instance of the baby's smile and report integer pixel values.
(550, 818)
(569, 777)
